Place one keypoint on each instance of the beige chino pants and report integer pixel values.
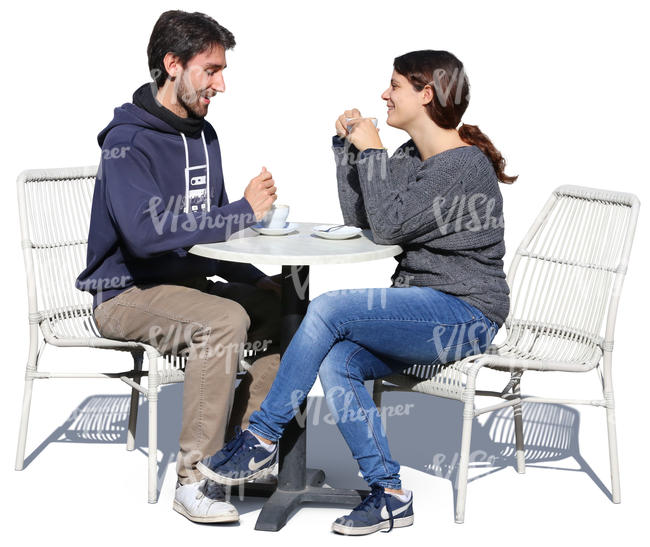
(209, 323)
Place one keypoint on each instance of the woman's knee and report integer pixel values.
(327, 307)
(319, 306)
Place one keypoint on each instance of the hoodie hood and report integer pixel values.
(146, 111)
(129, 114)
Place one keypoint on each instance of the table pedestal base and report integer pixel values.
(283, 503)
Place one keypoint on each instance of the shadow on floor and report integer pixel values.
(426, 436)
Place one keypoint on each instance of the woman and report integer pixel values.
(438, 198)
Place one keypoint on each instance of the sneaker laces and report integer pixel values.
(374, 499)
(211, 490)
(231, 447)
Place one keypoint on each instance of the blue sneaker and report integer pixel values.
(378, 511)
(242, 458)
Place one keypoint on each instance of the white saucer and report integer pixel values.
(288, 228)
(344, 232)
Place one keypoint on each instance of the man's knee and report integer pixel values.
(234, 317)
(223, 330)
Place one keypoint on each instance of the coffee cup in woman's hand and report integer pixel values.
(363, 133)
(342, 122)
(348, 121)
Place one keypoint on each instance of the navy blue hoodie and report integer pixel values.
(157, 193)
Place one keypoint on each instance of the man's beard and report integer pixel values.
(195, 109)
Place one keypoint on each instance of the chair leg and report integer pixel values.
(613, 448)
(152, 396)
(519, 430)
(32, 365)
(24, 422)
(135, 399)
(463, 465)
(608, 394)
(613, 451)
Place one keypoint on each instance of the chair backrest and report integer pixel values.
(54, 207)
(567, 274)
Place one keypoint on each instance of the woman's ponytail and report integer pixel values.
(471, 134)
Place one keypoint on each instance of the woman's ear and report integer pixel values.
(427, 95)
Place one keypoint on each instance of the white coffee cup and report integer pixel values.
(373, 120)
(276, 216)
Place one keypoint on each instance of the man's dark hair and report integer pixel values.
(185, 35)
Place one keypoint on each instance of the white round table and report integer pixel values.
(301, 247)
(296, 252)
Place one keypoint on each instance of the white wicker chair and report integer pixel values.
(565, 279)
(54, 206)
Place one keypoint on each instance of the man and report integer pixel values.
(158, 192)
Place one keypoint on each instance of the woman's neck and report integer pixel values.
(431, 139)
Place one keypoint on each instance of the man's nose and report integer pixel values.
(218, 83)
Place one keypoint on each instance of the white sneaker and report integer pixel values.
(204, 501)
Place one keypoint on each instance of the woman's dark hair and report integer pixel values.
(446, 75)
(185, 35)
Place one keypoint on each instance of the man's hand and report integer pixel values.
(260, 193)
(273, 283)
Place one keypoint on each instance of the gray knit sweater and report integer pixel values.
(446, 213)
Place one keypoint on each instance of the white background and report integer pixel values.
(560, 87)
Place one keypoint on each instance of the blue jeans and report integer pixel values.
(354, 335)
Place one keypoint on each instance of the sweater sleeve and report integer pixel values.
(402, 210)
(347, 178)
(150, 227)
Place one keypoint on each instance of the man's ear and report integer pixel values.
(172, 65)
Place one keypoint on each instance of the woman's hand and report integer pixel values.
(341, 124)
(363, 134)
